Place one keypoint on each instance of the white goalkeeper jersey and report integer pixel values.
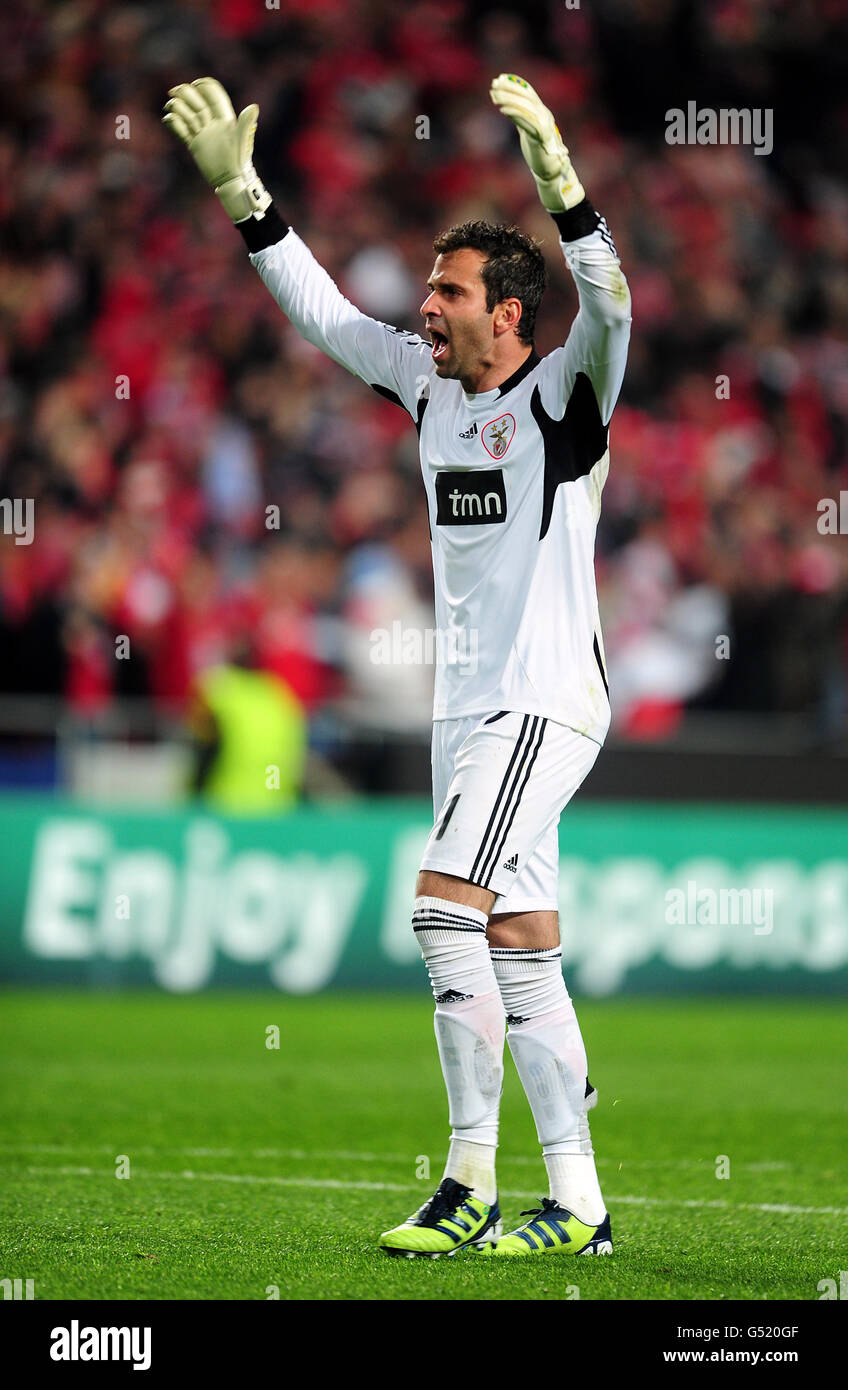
(513, 478)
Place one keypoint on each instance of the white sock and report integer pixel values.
(473, 1165)
(573, 1183)
(470, 1029)
(547, 1048)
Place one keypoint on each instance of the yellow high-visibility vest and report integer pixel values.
(263, 732)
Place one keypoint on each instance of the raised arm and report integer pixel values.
(599, 336)
(396, 363)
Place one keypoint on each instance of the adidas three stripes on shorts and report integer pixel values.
(500, 784)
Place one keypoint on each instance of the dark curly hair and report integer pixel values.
(514, 269)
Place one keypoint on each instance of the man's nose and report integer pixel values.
(423, 309)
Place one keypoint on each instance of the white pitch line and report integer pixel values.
(777, 1208)
(188, 1175)
(356, 1156)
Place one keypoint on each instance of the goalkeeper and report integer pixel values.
(514, 456)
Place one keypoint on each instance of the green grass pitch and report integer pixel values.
(252, 1168)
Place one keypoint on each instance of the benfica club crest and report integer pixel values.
(497, 435)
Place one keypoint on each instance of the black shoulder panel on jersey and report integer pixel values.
(389, 395)
(577, 221)
(597, 650)
(261, 232)
(573, 444)
(396, 400)
(423, 402)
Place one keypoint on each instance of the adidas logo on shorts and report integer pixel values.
(511, 864)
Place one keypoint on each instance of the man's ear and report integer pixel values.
(507, 316)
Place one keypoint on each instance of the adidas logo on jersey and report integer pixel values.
(511, 864)
(469, 434)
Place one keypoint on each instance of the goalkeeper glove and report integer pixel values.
(220, 144)
(541, 143)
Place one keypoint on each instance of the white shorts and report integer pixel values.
(500, 784)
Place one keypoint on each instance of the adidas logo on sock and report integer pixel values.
(452, 996)
(470, 433)
(511, 864)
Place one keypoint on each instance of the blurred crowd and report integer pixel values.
(199, 472)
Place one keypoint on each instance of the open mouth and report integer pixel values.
(440, 344)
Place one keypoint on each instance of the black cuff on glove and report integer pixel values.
(577, 221)
(259, 232)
